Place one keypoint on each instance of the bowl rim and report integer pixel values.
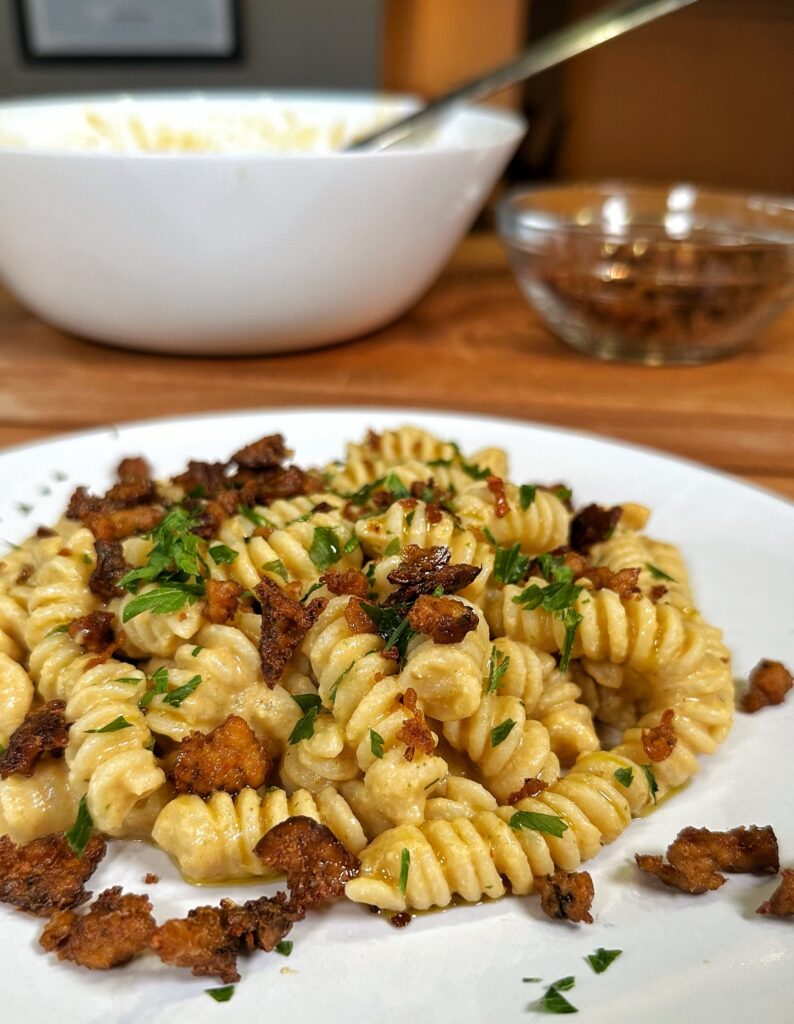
(509, 215)
(513, 123)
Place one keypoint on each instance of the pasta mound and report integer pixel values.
(454, 763)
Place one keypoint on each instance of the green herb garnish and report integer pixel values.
(602, 958)
(163, 600)
(175, 697)
(325, 548)
(500, 732)
(405, 867)
(376, 743)
(563, 493)
(392, 547)
(311, 590)
(510, 565)
(59, 629)
(657, 573)
(351, 545)
(394, 484)
(114, 726)
(306, 701)
(174, 556)
(197, 651)
(310, 704)
(221, 995)
(87, 559)
(160, 681)
(337, 681)
(554, 1001)
(284, 947)
(393, 625)
(474, 471)
(558, 598)
(497, 666)
(548, 823)
(222, 554)
(653, 786)
(78, 835)
(254, 517)
(526, 495)
(625, 776)
(276, 567)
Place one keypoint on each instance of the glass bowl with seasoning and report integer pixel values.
(651, 274)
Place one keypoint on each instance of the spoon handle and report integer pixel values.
(553, 49)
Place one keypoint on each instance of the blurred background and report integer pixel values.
(704, 96)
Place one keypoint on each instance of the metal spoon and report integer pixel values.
(583, 35)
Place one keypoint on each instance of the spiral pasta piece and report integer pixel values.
(34, 807)
(638, 633)
(469, 856)
(214, 840)
(60, 590)
(660, 565)
(16, 695)
(407, 447)
(542, 526)
(360, 688)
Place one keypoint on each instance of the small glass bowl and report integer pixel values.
(655, 275)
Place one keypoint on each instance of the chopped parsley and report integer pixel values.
(497, 666)
(376, 743)
(276, 567)
(657, 573)
(254, 517)
(87, 559)
(557, 597)
(197, 651)
(174, 698)
(163, 600)
(602, 958)
(311, 590)
(284, 947)
(174, 556)
(325, 548)
(410, 517)
(78, 835)
(222, 554)
(2, 750)
(114, 726)
(221, 995)
(653, 785)
(510, 565)
(500, 732)
(526, 495)
(554, 1001)
(625, 776)
(474, 471)
(405, 867)
(160, 685)
(311, 705)
(337, 681)
(129, 679)
(548, 823)
(59, 629)
(392, 624)
(392, 547)
(563, 493)
(351, 544)
(398, 489)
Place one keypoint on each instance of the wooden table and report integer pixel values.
(471, 344)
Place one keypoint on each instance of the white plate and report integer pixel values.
(686, 958)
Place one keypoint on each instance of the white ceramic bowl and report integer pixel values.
(234, 252)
